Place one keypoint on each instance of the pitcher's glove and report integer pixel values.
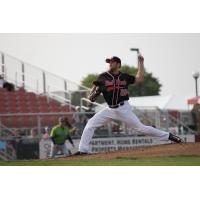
(94, 94)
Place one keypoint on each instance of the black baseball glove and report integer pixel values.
(95, 93)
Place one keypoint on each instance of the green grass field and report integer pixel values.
(150, 161)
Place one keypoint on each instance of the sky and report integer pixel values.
(170, 57)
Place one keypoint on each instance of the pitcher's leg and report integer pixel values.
(98, 120)
(127, 116)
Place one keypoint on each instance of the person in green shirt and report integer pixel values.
(59, 134)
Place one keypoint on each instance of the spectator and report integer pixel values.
(46, 134)
(33, 134)
(59, 134)
(9, 86)
(77, 114)
(17, 135)
(14, 144)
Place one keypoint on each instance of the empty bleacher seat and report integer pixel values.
(65, 109)
(55, 108)
(43, 108)
(21, 101)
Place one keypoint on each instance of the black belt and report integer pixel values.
(116, 106)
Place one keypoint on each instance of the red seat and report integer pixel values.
(32, 104)
(25, 121)
(11, 122)
(34, 121)
(4, 121)
(33, 109)
(65, 109)
(11, 103)
(42, 98)
(43, 104)
(22, 99)
(24, 109)
(3, 110)
(2, 90)
(3, 104)
(21, 90)
(43, 109)
(46, 121)
(12, 109)
(22, 105)
(54, 120)
(3, 96)
(55, 108)
(31, 96)
(11, 95)
(53, 103)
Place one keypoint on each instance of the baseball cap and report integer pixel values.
(114, 58)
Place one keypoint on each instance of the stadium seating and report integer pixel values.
(21, 101)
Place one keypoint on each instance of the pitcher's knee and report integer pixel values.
(90, 124)
(142, 128)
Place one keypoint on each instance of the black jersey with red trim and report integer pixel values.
(114, 87)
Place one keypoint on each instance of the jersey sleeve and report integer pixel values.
(130, 79)
(53, 132)
(98, 81)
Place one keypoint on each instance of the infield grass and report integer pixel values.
(150, 161)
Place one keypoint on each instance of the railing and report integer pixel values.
(87, 101)
(63, 96)
(33, 78)
(22, 82)
(183, 128)
(163, 119)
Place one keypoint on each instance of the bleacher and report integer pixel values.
(24, 102)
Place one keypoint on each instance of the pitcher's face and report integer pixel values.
(114, 65)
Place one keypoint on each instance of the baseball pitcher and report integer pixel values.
(113, 84)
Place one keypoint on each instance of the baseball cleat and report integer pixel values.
(175, 138)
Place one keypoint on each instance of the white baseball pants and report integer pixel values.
(123, 113)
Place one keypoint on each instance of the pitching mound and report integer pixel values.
(153, 151)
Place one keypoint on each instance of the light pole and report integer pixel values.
(196, 76)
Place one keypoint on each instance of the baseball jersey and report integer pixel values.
(115, 87)
(59, 134)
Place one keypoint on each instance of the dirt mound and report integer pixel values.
(153, 151)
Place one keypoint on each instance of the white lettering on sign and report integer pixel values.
(111, 144)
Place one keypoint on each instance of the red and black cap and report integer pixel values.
(114, 59)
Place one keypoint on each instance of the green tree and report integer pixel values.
(151, 85)
(88, 80)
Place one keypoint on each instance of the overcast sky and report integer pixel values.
(170, 57)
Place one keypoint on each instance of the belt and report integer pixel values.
(116, 106)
